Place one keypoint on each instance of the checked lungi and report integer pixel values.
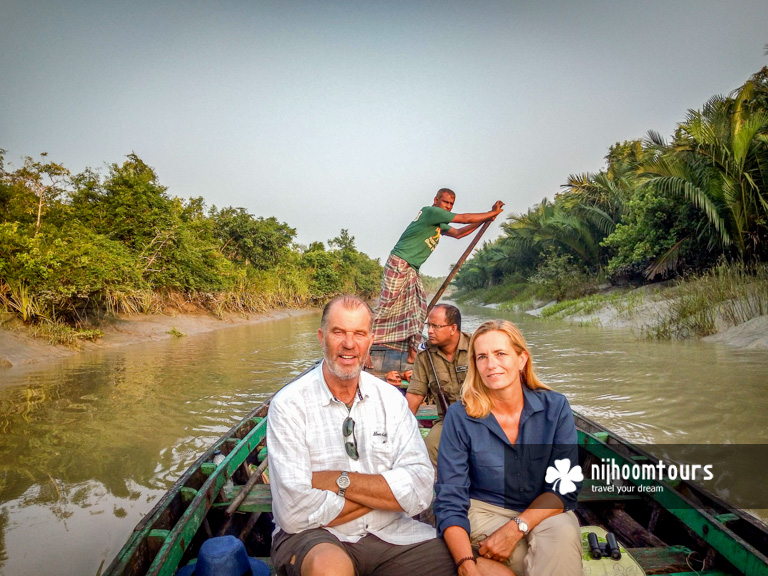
(399, 318)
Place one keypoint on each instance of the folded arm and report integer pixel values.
(411, 478)
(406, 484)
(351, 511)
(296, 504)
(367, 490)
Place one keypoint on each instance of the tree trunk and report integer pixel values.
(39, 211)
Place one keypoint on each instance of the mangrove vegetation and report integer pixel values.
(77, 247)
(693, 206)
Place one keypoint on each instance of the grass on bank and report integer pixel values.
(695, 306)
(523, 295)
(56, 332)
(585, 305)
(626, 303)
(510, 296)
(725, 296)
(255, 294)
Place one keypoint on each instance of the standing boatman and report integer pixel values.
(399, 317)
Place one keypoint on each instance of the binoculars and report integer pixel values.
(599, 549)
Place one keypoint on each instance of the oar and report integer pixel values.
(232, 508)
(464, 256)
(246, 488)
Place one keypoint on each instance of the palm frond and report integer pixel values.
(600, 219)
(666, 262)
(654, 139)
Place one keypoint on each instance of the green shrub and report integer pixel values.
(561, 279)
(122, 244)
(64, 271)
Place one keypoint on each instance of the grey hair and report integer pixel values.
(348, 301)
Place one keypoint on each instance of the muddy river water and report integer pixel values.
(88, 444)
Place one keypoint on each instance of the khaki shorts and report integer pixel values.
(370, 555)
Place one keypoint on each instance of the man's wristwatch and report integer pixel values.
(343, 482)
(522, 525)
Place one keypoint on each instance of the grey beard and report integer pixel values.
(342, 373)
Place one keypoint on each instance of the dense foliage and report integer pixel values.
(659, 209)
(76, 246)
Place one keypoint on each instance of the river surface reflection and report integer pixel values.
(89, 444)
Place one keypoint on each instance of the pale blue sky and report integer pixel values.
(333, 115)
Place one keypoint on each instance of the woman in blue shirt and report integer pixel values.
(507, 472)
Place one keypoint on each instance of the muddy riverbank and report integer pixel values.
(654, 312)
(18, 347)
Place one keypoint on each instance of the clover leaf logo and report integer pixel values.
(562, 473)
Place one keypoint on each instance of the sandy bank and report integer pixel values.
(644, 309)
(18, 347)
(753, 334)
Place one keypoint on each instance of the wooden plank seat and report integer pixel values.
(259, 499)
(426, 412)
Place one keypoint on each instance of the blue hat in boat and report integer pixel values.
(224, 556)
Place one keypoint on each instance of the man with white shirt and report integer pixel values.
(348, 467)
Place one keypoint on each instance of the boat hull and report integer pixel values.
(664, 531)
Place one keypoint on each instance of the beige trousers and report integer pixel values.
(553, 548)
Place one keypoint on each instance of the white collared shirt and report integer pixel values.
(304, 434)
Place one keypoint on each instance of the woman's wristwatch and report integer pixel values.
(522, 525)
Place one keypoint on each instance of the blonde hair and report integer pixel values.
(474, 393)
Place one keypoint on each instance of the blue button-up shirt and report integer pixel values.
(476, 460)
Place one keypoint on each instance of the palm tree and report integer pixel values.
(610, 189)
(556, 226)
(483, 269)
(719, 162)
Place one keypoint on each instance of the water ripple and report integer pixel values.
(108, 432)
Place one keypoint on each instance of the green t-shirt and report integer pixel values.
(422, 235)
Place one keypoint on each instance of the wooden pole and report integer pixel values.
(459, 264)
(246, 488)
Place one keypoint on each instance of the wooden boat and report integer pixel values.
(683, 530)
(385, 359)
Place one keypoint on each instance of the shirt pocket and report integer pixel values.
(487, 469)
(485, 459)
(461, 373)
(381, 453)
(535, 452)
